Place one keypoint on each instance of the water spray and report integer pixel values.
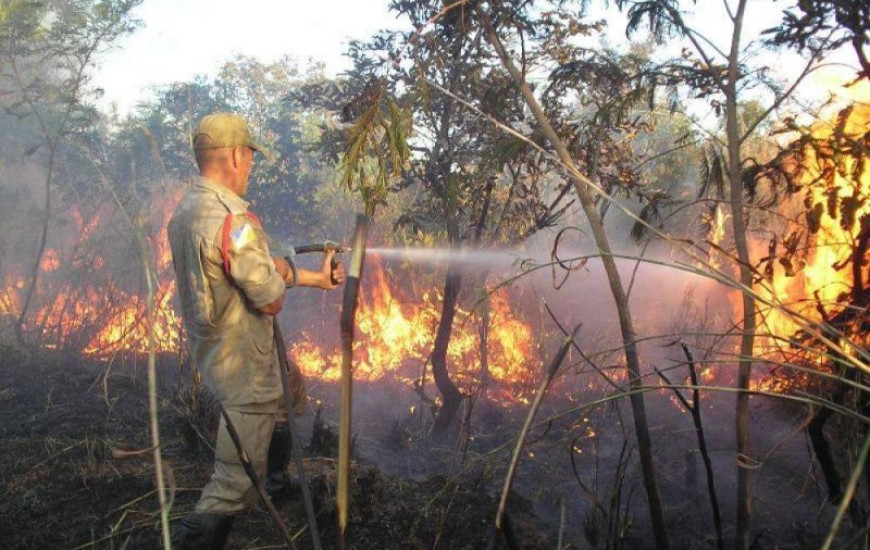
(458, 257)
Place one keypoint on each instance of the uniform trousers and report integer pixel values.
(230, 489)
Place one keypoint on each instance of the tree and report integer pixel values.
(47, 51)
(474, 184)
(721, 76)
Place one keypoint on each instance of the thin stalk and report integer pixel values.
(348, 312)
(702, 448)
(153, 410)
(851, 488)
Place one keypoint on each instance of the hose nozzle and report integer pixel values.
(325, 246)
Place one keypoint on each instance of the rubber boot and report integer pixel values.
(203, 531)
(277, 481)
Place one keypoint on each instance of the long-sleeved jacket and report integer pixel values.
(224, 273)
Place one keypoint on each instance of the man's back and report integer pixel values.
(224, 272)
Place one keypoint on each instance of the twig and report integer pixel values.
(615, 517)
(589, 493)
(539, 397)
(702, 447)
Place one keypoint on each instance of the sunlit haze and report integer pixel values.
(180, 39)
(183, 38)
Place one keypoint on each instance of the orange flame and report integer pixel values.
(716, 222)
(820, 282)
(98, 317)
(817, 287)
(395, 339)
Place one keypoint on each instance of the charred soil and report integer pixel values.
(63, 484)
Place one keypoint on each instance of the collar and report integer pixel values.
(227, 196)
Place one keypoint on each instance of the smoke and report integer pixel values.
(583, 451)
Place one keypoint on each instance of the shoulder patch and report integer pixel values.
(242, 236)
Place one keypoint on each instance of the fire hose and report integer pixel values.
(325, 246)
(289, 402)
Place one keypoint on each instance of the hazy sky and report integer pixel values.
(182, 38)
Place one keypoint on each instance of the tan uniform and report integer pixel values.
(211, 234)
(231, 342)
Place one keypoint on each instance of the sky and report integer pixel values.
(183, 38)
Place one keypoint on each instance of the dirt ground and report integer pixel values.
(63, 418)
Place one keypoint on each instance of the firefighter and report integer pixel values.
(229, 287)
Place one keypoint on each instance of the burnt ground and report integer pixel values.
(63, 418)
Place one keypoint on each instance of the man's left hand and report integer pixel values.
(333, 271)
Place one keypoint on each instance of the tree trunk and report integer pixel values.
(43, 239)
(581, 187)
(747, 338)
(450, 394)
(484, 345)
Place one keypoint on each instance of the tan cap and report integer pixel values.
(226, 130)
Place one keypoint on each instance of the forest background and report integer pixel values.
(487, 125)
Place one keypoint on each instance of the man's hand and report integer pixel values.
(334, 271)
(328, 277)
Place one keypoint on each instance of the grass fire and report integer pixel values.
(536, 275)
